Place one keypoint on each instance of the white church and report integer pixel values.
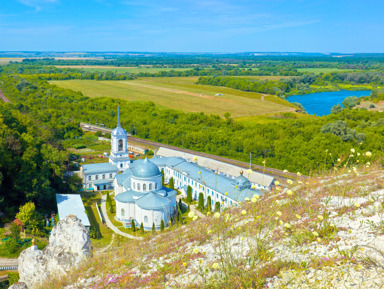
(140, 195)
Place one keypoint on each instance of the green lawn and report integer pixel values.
(183, 94)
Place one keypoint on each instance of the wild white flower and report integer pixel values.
(358, 154)
(196, 250)
(277, 183)
(191, 214)
(299, 174)
(339, 160)
(289, 193)
(332, 225)
(215, 266)
(249, 171)
(318, 239)
(243, 212)
(278, 213)
(287, 225)
(353, 151)
(277, 202)
(256, 196)
(314, 233)
(216, 215)
(285, 171)
(368, 154)
(194, 218)
(281, 222)
(357, 205)
(195, 158)
(290, 182)
(246, 199)
(254, 200)
(320, 217)
(298, 216)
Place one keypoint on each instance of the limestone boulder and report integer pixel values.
(69, 245)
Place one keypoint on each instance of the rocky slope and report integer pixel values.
(321, 232)
(68, 246)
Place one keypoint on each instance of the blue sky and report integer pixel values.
(192, 25)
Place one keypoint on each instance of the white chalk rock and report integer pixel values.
(68, 246)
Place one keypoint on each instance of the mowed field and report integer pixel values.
(182, 93)
(117, 69)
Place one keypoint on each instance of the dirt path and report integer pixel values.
(3, 97)
(5, 262)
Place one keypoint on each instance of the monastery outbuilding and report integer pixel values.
(140, 195)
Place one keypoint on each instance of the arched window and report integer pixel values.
(150, 187)
(144, 187)
(120, 148)
(156, 186)
(138, 186)
(122, 212)
(145, 219)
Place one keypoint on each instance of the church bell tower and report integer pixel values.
(119, 153)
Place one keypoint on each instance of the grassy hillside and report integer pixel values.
(182, 94)
(319, 232)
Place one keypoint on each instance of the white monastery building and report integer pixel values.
(140, 195)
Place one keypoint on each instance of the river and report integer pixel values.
(321, 103)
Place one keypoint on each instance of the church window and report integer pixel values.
(120, 148)
(96, 177)
(89, 178)
(145, 219)
(122, 212)
(110, 176)
(121, 165)
(150, 187)
(138, 186)
(144, 187)
(156, 186)
(103, 176)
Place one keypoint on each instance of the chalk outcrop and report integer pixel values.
(19, 285)
(68, 246)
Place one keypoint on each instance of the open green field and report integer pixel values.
(323, 70)
(118, 69)
(182, 94)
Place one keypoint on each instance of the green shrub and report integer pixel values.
(217, 207)
(133, 226)
(142, 228)
(162, 225)
(92, 232)
(201, 201)
(171, 184)
(189, 194)
(79, 146)
(371, 105)
(13, 277)
(12, 246)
